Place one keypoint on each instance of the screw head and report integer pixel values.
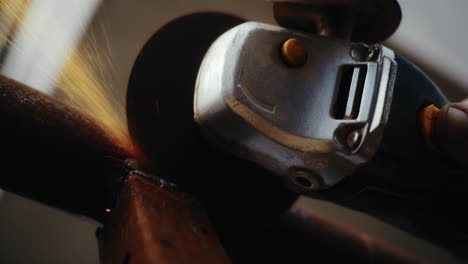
(294, 52)
(352, 141)
(373, 53)
(307, 180)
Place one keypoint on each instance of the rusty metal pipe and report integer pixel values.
(153, 224)
(53, 154)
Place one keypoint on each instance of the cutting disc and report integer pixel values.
(160, 116)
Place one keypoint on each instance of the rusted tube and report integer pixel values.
(153, 225)
(53, 154)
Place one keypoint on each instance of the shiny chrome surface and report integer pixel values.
(248, 101)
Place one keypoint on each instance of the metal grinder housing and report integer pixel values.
(313, 124)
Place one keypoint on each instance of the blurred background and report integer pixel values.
(56, 46)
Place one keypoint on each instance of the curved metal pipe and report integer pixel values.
(55, 155)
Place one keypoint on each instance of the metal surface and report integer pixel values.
(55, 155)
(284, 118)
(368, 21)
(151, 224)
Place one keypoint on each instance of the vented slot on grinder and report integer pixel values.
(351, 81)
